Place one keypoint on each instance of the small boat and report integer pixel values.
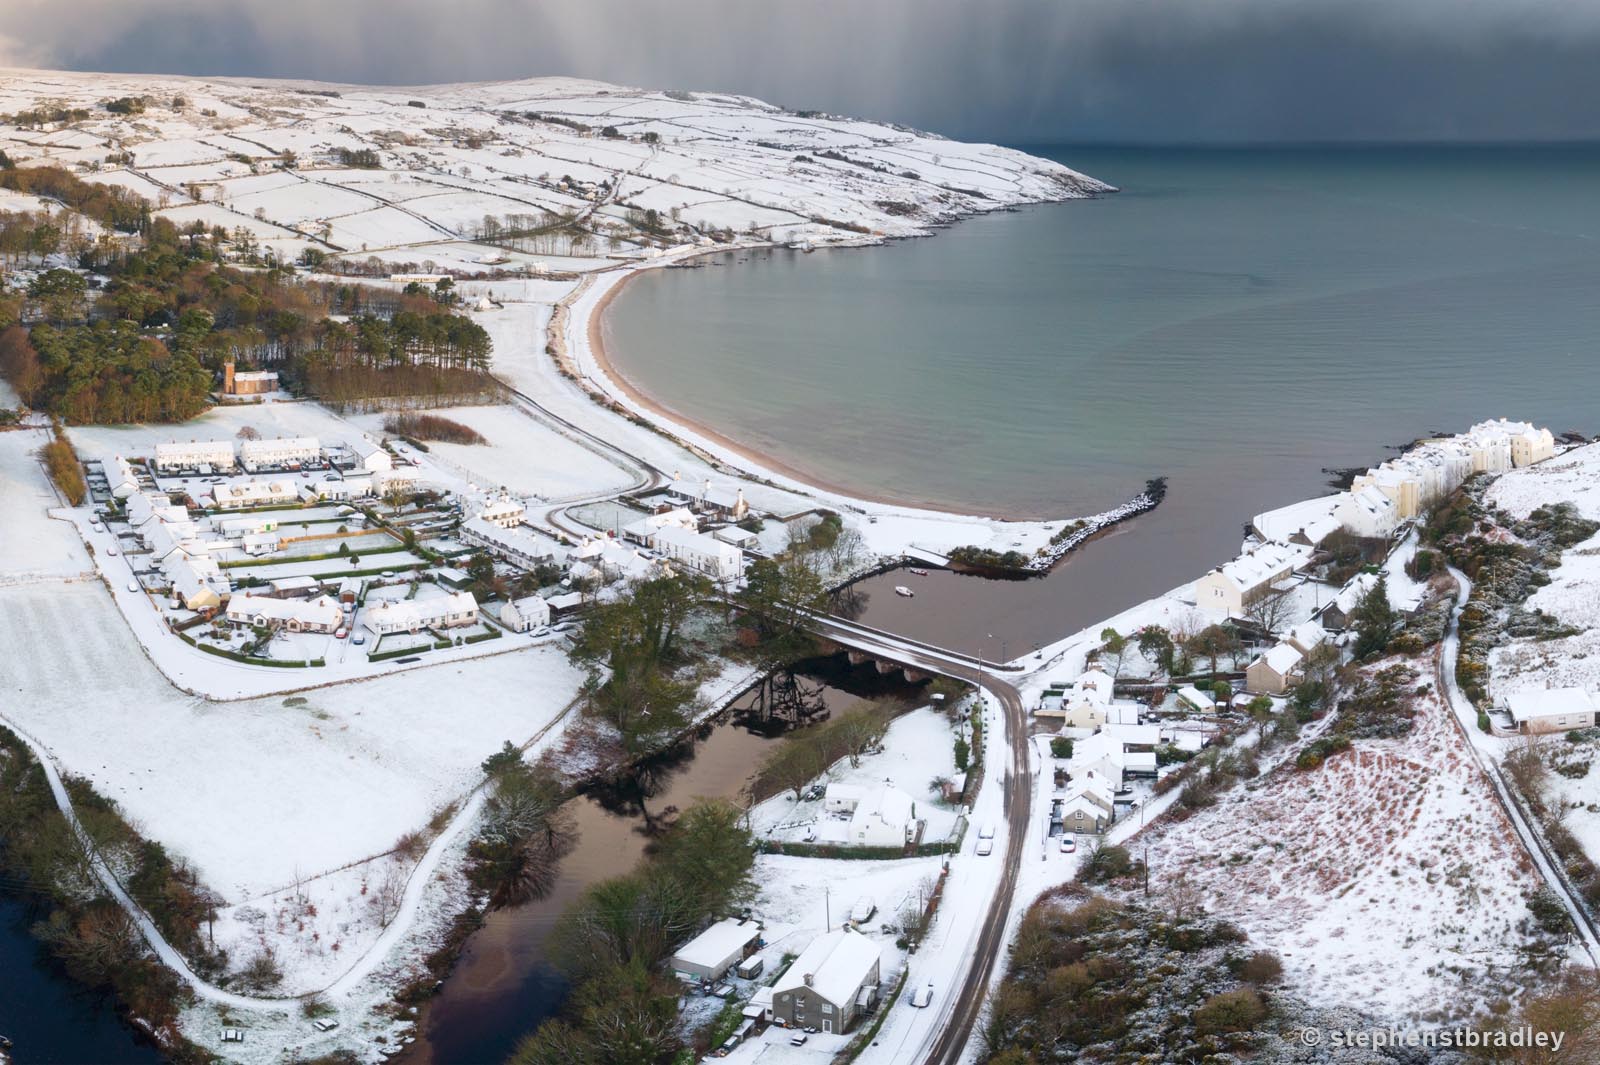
(901, 589)
(915, 572)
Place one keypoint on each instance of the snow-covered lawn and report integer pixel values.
(919, 747)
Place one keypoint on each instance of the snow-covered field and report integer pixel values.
(33, 546)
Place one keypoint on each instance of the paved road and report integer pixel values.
(951, 1038)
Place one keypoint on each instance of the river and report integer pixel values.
(504, 984)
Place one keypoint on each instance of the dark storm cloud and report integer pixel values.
(1001, 69)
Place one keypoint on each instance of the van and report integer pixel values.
(921, 996)
(750, 968)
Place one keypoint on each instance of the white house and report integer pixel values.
(339, 488)
(709, 955)
(217, 454)
(604, 559)
(370, 456)
(414, 615)
(1107, 756)
(261, 543)
(647, 526)
(699, 552)
(523, 615)
(233, 528)
(278, 451)
(120, 477)
(516, 544)
(1551, 709)
(293, 615)
(501, 511)
(1308, 522)
(1232, 587)
(879, 815)
(255, 493)
(1367, 512)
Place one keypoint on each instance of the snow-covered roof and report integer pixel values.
(718, 943)
(1139, 735)
(419, 613)
(1306, 635)
(322, 611)
(1266, 563)
(1282, 658)
(1284, 522)
(1196, 698)
(1094, 685)
(1536, 703)
(838, 962)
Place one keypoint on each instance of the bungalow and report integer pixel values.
(1232, 587)
(830, 984)
(234, 528)
(1277, 671)
(526, 614)
(262, 543)
(294, 587)
(216, 454)
(292, 615)
(709, 955)
(1551, 710)
(720, 501)
(278, 452)
(414, 615)
(338, 488)
(880, 816)
(197, 583)
(241, 494)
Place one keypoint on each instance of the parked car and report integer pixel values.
(133, 586)
(387, 574)
(986, 832)
(921, 996)
(111, 550)
(340, 633)
(359, 639)
(323, 1024)
(1068, 844)
(985, 847)
(727, 1047)
(798, 1039)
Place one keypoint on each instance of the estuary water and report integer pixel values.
(1236, 320)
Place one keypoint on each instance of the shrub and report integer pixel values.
(1231, 1011)
(431, 427)
(1061, 747)
(1262, 967)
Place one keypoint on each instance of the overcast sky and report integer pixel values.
(1007, 70)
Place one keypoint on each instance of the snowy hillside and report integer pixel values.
(360, 170)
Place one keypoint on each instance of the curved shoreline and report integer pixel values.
(750, 459)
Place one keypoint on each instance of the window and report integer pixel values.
(826, 1009)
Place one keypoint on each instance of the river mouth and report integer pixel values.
(504, 984)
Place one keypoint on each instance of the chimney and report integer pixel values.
(807, 979)
(227, 377)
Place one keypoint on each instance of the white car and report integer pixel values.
(1068, 844)
(986, 832)
(111, 550)
(133, 586)
(985, 847)
(922, 996)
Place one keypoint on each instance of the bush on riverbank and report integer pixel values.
(612, 942)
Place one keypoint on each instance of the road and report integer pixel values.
(1485, 754)
(961, 1010)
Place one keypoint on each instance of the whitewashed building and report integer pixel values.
(502, 511)
(516, 544)
(255, 493)
(697, 551)
(1551, 709)
(216, 454)
(1232, 587)
(278, 451)
(338, 489)
(292, 615)
(414, 615)
(371, 457)
(525, 614)
(880, 815)
(120, 477)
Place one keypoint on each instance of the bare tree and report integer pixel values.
(1271, 611)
